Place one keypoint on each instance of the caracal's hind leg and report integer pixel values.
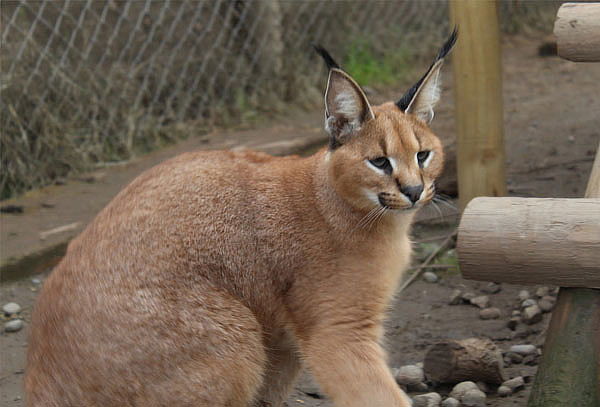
(282, 370)
(223, 358)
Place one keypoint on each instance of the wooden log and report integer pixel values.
(478, 99)
(468, 359)
(531, 241)
(569, 372)
(577, 31)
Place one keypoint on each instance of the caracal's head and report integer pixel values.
(383, 156)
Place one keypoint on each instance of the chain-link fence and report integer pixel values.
(90, 81)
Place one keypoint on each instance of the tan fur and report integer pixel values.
(212, 276)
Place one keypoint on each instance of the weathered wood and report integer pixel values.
(478, 100)
(531, 241)
(569, 372)
(593, 186)
(577, 31)
(468, 359)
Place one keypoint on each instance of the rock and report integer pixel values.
(473, 398)
(467, 297)
(482, 301)
(11, 308)
(36, 281)
(514, 383)
(514, 357)
(421, 387)
(542, 292)
(450, 402)
(427, 400)
(504, 391)
(524, 349)
(516, 313)
(532, 315)
(456, 298)
(491, 288)
(531, 360)
(410, 375)
(547, 303)
(461, 389)
(528, 303)
(524, 295)
(513, 323)
(483, 387)
(430, 277)
(13, 325)
(489, 313)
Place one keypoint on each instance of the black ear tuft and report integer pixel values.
(405, 100)
(331, 64)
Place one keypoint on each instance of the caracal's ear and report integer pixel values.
(423, 96)
(346, 106)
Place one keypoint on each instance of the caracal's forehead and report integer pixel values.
(396, 132)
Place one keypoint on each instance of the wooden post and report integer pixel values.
(577, 30)
(478, 99)
(569, 373)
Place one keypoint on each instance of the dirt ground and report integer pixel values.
(552, 128)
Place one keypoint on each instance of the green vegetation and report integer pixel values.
(370, 68)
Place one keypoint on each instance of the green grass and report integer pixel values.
(370, 69)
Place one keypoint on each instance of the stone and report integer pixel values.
(474, 398)
(11, 308)
(531, 360)
(514, 357)
(36, 281)
(514, 383)
(492, 288)
(421, 387)
(545, 305)
(516, 313)
(13, 325)
(456, 298)
(450, 402)
(430, 277)
(482, 301)
(524, 349)
(489, 313)
(427, 400)
(532, 315)
(504, 391)
(461, 388)
(409, 375)
(467, 297)
(483, 386)
(524, 295)
(542, 292)
(528, 303)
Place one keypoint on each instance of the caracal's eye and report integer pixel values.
(381, 163)
(422, 157)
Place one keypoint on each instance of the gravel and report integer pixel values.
(13, 325)
(427, 400)
(11, 308)
(524, 349)
(492, 288)
(409, 375)
(546, 304)
(450, 402)
(528, 303)
(430, 277)
(489, 313)
(482, 301)
(532, 315)
(524, 295)
(456, 297)
(474, 398)
(461, 389)
(514, 383)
